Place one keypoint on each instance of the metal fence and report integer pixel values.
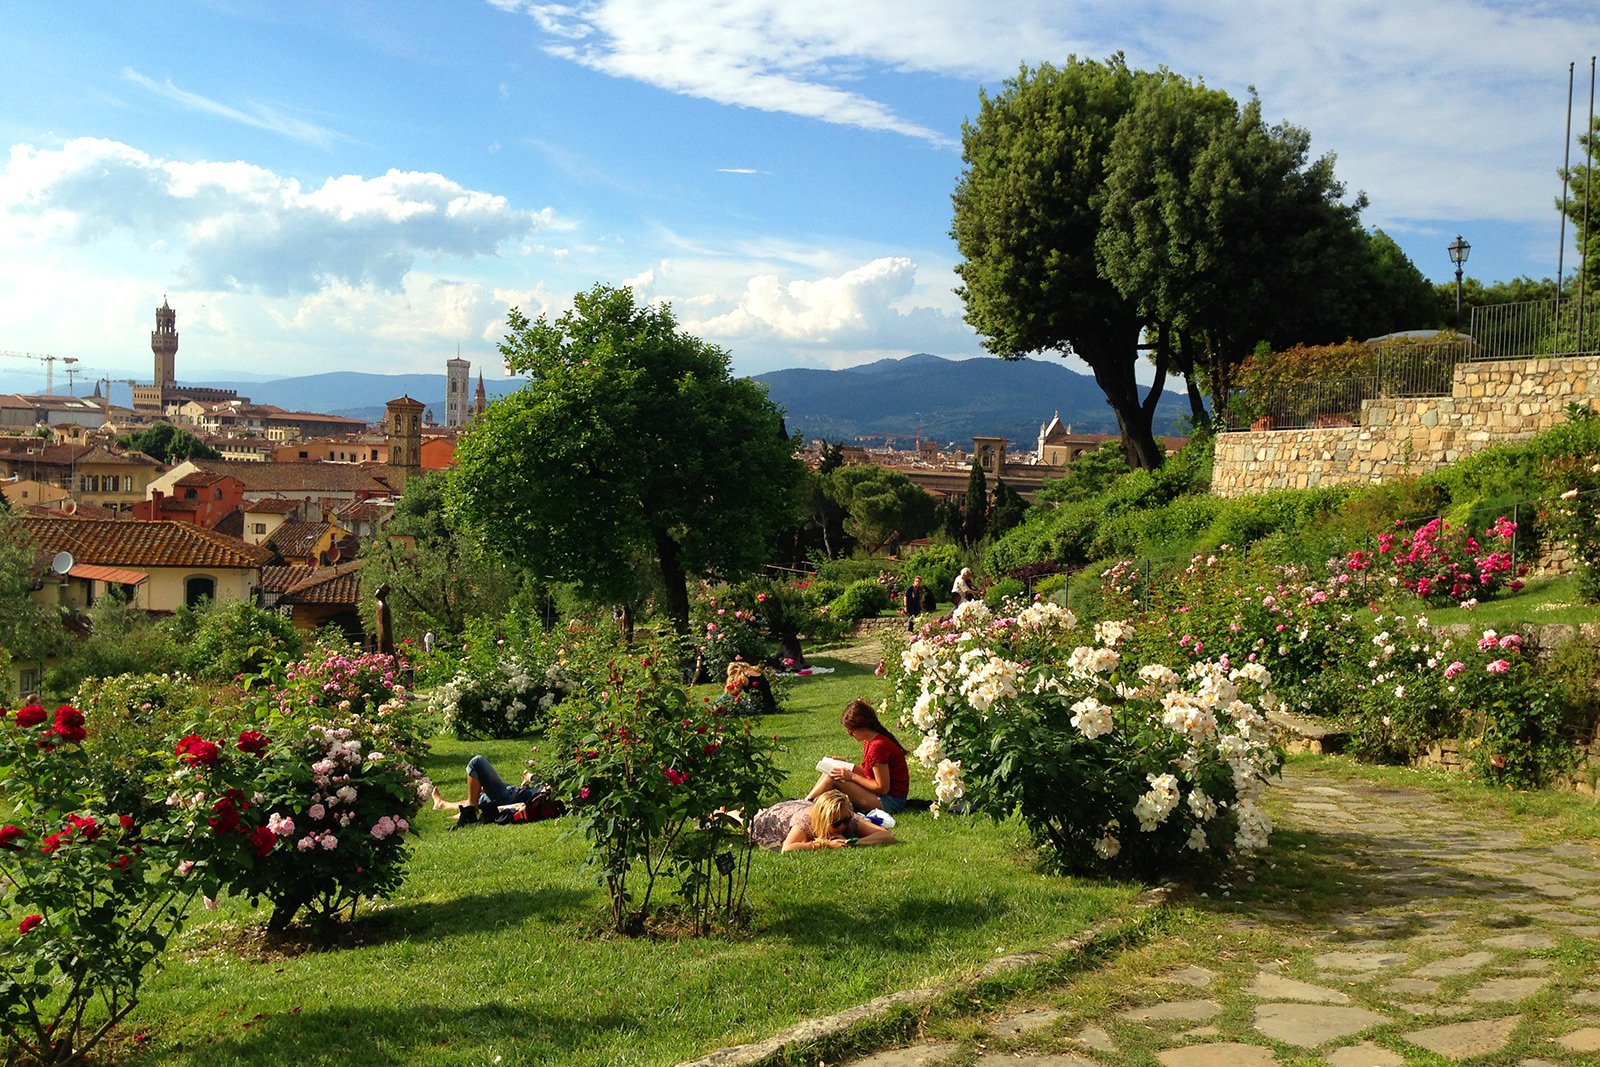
(1529, 329)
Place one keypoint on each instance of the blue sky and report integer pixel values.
(366, 186)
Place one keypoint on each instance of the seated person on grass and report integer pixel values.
(881, 779)
(751, 678)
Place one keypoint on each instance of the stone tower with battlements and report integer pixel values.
(164, 344)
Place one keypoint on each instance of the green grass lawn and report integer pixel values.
(492, 951)
(1542, 600)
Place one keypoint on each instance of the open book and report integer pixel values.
(827, 764)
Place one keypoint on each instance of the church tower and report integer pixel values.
(455, 392)
(164, 343)
(402, 423)
(481, 399)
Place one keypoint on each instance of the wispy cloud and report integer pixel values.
(260, 117)
(741, 170)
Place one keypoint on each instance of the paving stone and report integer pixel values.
(1536, 1063)
(1276, 987)
(1454, 965)
(1036, 1059)
(1023, 1022)
(1458, 1041)
(1096, 1038)
(1589, 998)
(1365, 1054)
(1588, 900)
(1413, 986)
(1499, 989)
(1168, 1010)
(918, 1056)
(1584, 931)
(1534, 964)
(1580, 875)
(1438, 942)
(1341, 960)
(1556, 915)
(1220, 1054)
(1310, 1025)
(1585, 1040)
(1526, 939)
(1195, 977)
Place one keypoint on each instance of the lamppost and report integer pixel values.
(1459, 250)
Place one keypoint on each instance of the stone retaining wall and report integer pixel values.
(1489, 403)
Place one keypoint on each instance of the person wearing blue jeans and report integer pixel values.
(486, 789)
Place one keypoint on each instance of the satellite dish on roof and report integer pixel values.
(334, 554)
(69, 508)
(62, 563)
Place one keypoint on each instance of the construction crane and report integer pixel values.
(105, 399)
(49, 362)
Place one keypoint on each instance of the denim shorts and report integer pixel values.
(892, 804)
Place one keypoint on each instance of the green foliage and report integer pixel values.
(122, 640)
(862, 599)
(311, 808)
(647, 775)
(130, 719)
(975, 515)
(1004, 589)
(507, 679)
(28, 631)
(938, 565)
(1114, 763)
(93, 893)
(165, 443)
(879, 507)
(631, 438)
(237, 640)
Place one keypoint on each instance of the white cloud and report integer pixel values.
(261, 117)
(244, 227)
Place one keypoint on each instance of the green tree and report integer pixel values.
(631, 436)
(165, 443)
(28, 631)
(880, 507)
(975, 524)
(1009, 508)
(1027, 212)
(1583, 208)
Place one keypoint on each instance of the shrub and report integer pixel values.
(312, 811)
(726, 628)
(122, 640)
(129, 718)
(938, 565)
(861, 600)
(1001, 591)
(1113, 766)
(1442, 564)
(647, 775)
(92, 893)
(237, 640)
(1574, 517)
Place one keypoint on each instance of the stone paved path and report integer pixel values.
(1458, 940)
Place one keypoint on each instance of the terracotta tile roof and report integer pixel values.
(120, 575)
(142, 543)
(280, 579)
(362, 510)
(200, 479)
(328, 585)
(272, 505)
(282, 479)
(295, 538)
(231, 524)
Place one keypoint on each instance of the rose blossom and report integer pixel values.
(28, 923)
(1498, 666)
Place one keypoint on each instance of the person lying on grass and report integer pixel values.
(831, 822)
(881, 779)
(486, 789)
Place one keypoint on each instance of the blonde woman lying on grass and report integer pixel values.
(829, 821)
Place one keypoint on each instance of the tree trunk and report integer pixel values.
(1111, 353)
(677, 588)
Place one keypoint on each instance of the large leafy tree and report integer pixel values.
(165, 443)
(630, 436)
(28, 631)
(880, 507)
(1027, 212)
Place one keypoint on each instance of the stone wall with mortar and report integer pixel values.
(1489, 402)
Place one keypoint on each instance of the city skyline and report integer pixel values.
(369, 186)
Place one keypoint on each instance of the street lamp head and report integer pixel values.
(1459, 251)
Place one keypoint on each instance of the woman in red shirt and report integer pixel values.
(881, 779)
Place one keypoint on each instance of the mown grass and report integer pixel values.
(1543, 600)
(493, 950)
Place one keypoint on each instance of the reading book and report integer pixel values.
(827, 764)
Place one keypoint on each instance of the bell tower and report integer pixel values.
(164, 343)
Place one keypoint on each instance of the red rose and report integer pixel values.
(8, 837)
(126, 821)
(224, 816)
(262, 840)
(121, 862)
(253, 742)
(674, 776)
(29, 923)
(32, 715)
(196, 751)
(69, 724)
(84, 825)
(52, 842)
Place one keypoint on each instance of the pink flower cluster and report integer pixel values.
(1438, 563)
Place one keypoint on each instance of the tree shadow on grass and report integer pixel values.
(415, 1032)
(909, 927)
(470, 914)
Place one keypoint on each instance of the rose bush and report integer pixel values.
(90, 895)
(1115, 765)
(649, 777)
(504, 684)
(311, 808)
(1443, 564)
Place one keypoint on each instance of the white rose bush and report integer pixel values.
(1115, 766)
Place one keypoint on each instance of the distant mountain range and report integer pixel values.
(946, 399)
(950, 400)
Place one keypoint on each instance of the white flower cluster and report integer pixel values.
(961, 681)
